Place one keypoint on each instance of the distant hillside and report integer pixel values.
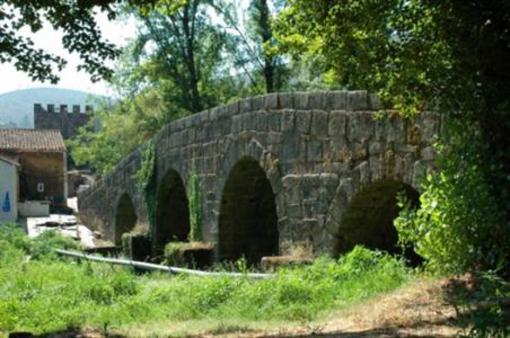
(18, 106)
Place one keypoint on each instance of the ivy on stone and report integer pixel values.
(195, 206)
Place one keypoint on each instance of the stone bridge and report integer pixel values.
(280, 171)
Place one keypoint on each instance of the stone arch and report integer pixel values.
(172, 212)
(248, 217)
(125, 217)
(365, 216)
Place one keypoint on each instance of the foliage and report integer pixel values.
(60, 294)
(458, 226)
(481, 303)
(146, 177)
(187, 253)
(14, 242)
(180, 52)
(44, 244)
(115, 131)
(195, 206)
(146, 171)
(80, 34)
(449, 55)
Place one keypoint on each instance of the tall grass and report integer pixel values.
(46, 294)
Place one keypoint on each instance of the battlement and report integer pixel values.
(60, 117)
(63, 108)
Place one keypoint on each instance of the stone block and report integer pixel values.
(428, 154)
(414, 134)
(359, 151)
(364, 173)
(314, 151)
(223, 112)
(261, 121)
(303, 121)
(274, 121)
(233, 108)
(337, 123)
(288, 121)
(301, 100)
(271, 101)
(374, 102)
(286, 101)
(406, 148)
(318, 100)
(357, 100)
(360, 127)
(213, 114)
(294, 211)
(258, 103)
(319, 123)
(274, 138)
(245, 105)
(337, 100)
(375, 148)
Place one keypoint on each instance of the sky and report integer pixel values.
(117, 32)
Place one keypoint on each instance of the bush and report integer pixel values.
(44, 244)
(189, 254)
(458, 226)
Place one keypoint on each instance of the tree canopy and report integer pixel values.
(81, 34)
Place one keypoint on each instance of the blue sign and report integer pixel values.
(6, 205)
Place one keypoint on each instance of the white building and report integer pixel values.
(9, 190)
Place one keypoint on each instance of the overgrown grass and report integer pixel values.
(46, 294)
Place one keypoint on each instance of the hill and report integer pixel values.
(18, 106)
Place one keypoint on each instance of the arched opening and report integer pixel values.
(172, 213)
(369, 219)
(125, 217)
(248, 223)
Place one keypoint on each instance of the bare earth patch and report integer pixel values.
(417, 310)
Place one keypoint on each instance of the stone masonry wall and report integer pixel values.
(61, 119)
(317, 150)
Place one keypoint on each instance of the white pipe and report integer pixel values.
(157, 267)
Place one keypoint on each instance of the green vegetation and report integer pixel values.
(46, 294)
(198, 255)
(441, 56)
(195, 206)
(459, 226)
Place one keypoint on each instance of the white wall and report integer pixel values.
(8, 185)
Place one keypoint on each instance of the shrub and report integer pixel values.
(44, 244)
(458, 226)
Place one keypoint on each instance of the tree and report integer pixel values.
(80, 34)
(451, 56)
(261, 17)
(123, 127)
(185, 53)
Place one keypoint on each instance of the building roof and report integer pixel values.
(31, 140)
(9, 159)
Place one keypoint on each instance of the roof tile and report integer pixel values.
(31, 140)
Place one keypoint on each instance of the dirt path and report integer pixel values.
(416, 311)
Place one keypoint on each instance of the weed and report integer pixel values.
(47, 294)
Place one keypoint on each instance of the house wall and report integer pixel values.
(8, 186)
(48, 169)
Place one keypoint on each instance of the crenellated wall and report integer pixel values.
(317, 151)
(61, 118)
